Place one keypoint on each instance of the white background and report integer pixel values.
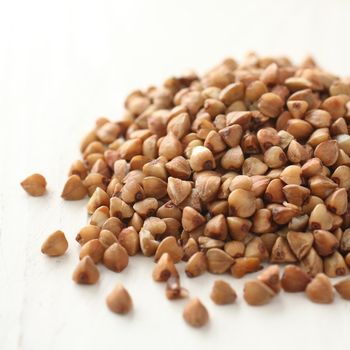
(63, 64)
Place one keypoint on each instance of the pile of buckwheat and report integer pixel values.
(247, 164)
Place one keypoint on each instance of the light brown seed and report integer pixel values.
(190, 247)
(343, 288)
(262, 221)
(296, 194)
(218, 261)
(179, 167)
(270, 104)
(285, 138)
(107, 238)
(132, 192)
(300, 243)
(78, 168)
(233, 158)
(345, 241)
(74, 189)
(98, 199)
(281, 252)
(335, 105)
(312, 167)
(257, 293)
(242, 266)
(231, 135)
(148, 244)
(234, 249)
(291, 175)
(170, 147)
(118, 208)
(193, 200)
(129, 239)
(108, 132)
(320, 290)
(179, 125)
(94, 249)
(206, 242)
(92, 181)
(130, 148)
(319, 118)
(196, 265)
(119, 300)
(55, 244)
(146, 207)
(201, 159)
(86, 272)
(238, 227)
(321, 186)
(259, 185)
(155, 225)
(87, 139)
(337, 202)
(231, 93)
(297, 108)
(267, 138)
(242, 203)
(347, 259)
(294, 279)
(136, 222)
(275, 157)
(137, 162)
(114, 225)
(207, 187)
(191, 219)
(343, 141)
(121, 169)
(169, 245)
(154, 187)
(256, 248)
(253, 166)
(271, 277)
(320, 218)
(254, 90)
(318, 136)
(195, 313)
(269, 240)
(273, 192)
(325, 242)
(216, 228)
(116, 257)
(178, 190)
(222, 293)
(100, 216)
(241, 181)
(87, 233)
(327, 151)
(214, 142)
(164, 269)
(214, 107)
(341, 176)
(299, 128)
(35, 185)
(282, 215)
(241, 118)
(312, 264)
(134, 175)
(297, 83)
(335, 265)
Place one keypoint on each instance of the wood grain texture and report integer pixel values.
(62, 65)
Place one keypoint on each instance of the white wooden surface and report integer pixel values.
(64, 63)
